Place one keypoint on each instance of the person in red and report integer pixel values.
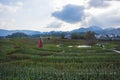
(40, 43)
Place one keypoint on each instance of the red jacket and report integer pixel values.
(40, 43)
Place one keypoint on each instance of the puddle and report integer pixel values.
(83, 46)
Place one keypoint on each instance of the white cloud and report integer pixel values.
(59, 4)
(37, 14)
(54, 25)
(6, 25)
(104, 17)
(10, 8)
(19, 3)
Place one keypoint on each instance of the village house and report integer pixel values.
(107, 37)
(68, 36)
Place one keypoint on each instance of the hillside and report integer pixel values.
(96, 29)
(9, 32)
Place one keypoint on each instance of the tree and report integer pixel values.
(90, 38)
(62, 36)
(75, 35)
(78, 35)
(17, 35)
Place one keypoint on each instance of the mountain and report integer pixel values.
(112, 31)
(99, 30)
(95, 29)
(9, 32)
(91, 28)
(4, 32)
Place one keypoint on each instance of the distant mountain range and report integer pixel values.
(112, 31)
(91, 28)
(96, 29)
(9, 32)
(99, 30)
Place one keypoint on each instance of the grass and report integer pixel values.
(21, 59)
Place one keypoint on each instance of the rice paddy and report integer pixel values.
(59, 59)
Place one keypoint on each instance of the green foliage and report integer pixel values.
(78, 36)
(17, 35)
(21, 59)
(62, 35)
(90, 38)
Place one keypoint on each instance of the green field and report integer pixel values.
(21, 59)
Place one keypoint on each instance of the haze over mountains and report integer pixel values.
(95, 29)
(99, 30)
(9, 32)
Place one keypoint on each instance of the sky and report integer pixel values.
(58, 15)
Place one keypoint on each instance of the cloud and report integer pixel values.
(107, 19)
(11, 2)
(6, 8)
(5, 24)
(54, 25)
(5, 2)
(98, 3)
(70, 14)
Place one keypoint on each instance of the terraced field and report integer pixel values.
(60, 59)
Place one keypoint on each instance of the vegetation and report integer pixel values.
(78, 35)
(21, 59)
(17, 35)
(90, 38)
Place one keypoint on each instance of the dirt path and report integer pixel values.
(116, 51)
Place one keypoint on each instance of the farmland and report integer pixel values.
(60, 59)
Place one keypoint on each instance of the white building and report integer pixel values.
(68, 36)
